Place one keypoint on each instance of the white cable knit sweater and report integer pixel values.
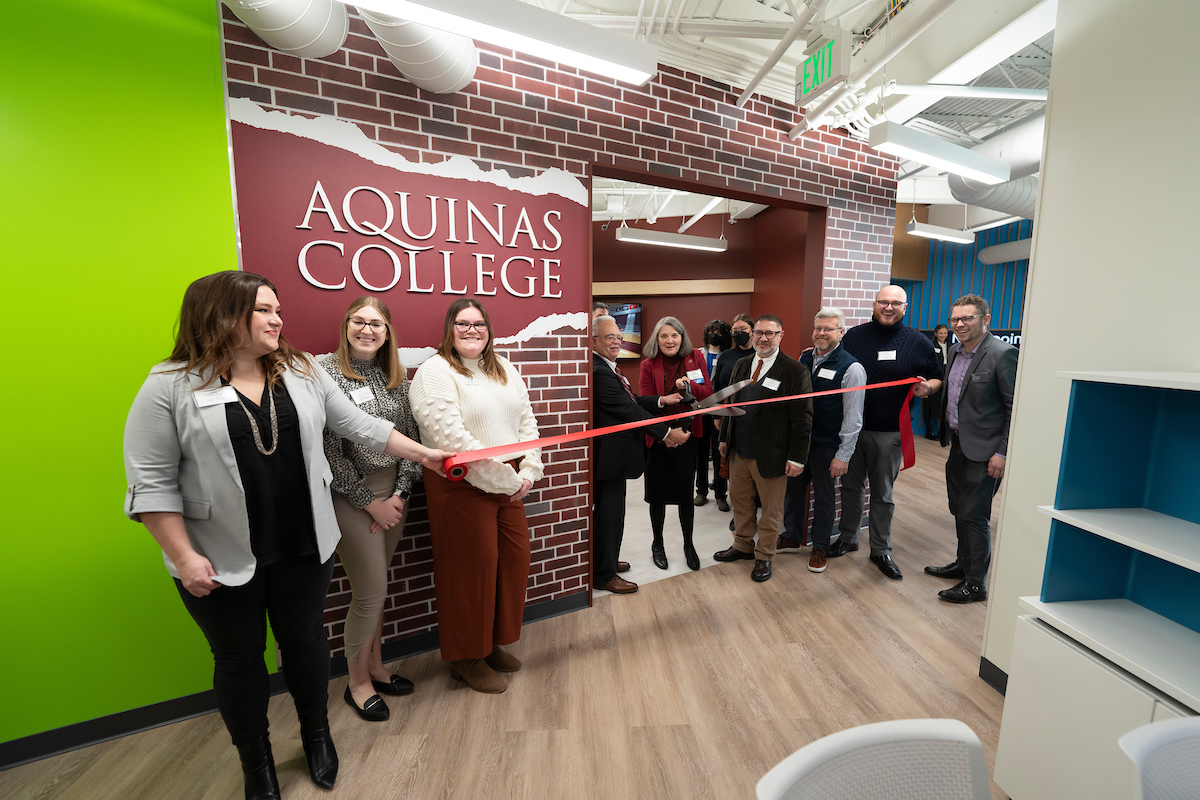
(456, 413)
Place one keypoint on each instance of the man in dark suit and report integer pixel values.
(767, 446)
(976, 413)
(617, 456)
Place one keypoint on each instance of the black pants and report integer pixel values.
(795, 509)
(609, 524)
(970, 491)
(233, 619)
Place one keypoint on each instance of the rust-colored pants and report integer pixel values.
(480, 566)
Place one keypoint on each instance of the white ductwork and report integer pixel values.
(304, 28)
(1006, 252)
(1021, 147)
(433, 60)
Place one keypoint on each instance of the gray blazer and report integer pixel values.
(985, 403)
(178, 457)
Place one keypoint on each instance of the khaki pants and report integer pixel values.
(744, 480)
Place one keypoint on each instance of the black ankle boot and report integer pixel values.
(319, 749)
(658, 554)
(258, 770)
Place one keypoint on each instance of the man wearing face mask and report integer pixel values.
(889, 350)
(716, 341)
(723, 371)
(768, 445)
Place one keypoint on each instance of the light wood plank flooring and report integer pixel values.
(691, 688)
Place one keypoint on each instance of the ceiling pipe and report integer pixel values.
(1019, 250)
(713, 203)
(980, 92)
(805, 16)
(1019, 145)
(817, 116)
(433, 60)
(304, 28)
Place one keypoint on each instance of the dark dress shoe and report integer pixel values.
(618, 585)
(258, 770)
(932, 436)
(886, 566)
(701, 500)
(954, 571)
(318, 745)
(761, 571)
(964, 592)
(659, 554)
(397, 686)
(374, 710)
(722, 504)
(731, 553)
(623, 566)
(692, 557)
(840, 548)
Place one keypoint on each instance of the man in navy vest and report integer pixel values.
(766, 446)
(837, 419)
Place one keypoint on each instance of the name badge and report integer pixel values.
(470, 381)
(770, 383)
(979, 377)
(695, 376)
(826, 373)
(363, 395)
(886, 355)
(213, 397)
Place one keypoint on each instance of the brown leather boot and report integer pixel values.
(502, 661)
(478, 675)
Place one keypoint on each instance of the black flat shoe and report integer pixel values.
(953, 571)
(318, 746)
(258, 770)
(659, 554)
(839, 549)
(396, 687)
(693, 558)
(964, 592)
(374, 710)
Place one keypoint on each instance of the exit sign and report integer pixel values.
(826, 67)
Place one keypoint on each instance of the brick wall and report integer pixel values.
(525, 115)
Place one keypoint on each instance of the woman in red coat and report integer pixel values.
(671, 368)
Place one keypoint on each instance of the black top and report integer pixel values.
(278, 504)
(889, 353)
(723, 370)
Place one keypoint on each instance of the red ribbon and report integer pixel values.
(456, 470)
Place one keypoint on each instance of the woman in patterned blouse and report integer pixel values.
(370, 495)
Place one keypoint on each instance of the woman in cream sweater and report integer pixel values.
(467, 397)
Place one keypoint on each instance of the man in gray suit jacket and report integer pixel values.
(976, 413)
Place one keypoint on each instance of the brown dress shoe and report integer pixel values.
(619, 585)
(478, 675)
(502, 661)
(623, 566)
(761, 571)
(731, 553)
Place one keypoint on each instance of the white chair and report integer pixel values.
(908, 759)
(1167, 757)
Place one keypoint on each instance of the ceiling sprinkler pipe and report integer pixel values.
(802, 19)
(433, 60)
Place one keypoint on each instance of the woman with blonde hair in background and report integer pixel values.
(468, 397)
(371, 491)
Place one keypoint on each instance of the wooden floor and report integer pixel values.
(691, 688)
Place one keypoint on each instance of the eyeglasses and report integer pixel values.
(826, 330)
(891, 303)
(612, 337)
(376, 327)
(463, 327)
(766, 334)
(963, 320)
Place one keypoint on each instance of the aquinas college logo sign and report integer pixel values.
(328, 215)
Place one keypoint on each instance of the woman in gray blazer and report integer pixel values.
(225, 468)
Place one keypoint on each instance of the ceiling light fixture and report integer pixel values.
(663, 239)
(889, 137)
(928, 231)
(532, 30)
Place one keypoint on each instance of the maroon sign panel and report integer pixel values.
(327, 225)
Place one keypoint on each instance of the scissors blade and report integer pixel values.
(729, 391)
(725, 412)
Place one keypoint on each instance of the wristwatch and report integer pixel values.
(405, 495)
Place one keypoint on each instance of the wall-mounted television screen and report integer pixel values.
(629, 320)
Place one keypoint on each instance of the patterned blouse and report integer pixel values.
(350, 462)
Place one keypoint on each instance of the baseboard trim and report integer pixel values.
(102, 729)
(993, 676)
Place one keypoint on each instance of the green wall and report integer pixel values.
(115, 195)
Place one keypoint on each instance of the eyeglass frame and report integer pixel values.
(766, 334)
(462, 326)
(964, 320)
(376, 326)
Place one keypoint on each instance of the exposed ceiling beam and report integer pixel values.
(728, 28)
